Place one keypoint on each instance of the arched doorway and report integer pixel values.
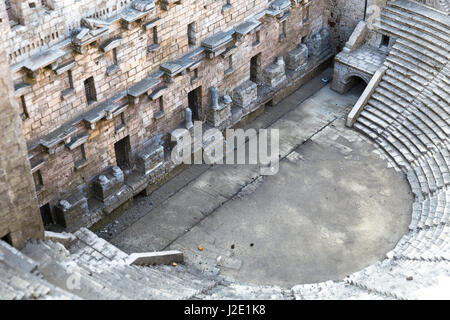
(356, 84)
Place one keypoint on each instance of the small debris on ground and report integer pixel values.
(409, 278)
(232, 246)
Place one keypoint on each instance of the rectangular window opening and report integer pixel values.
(38, 182)
(191, 34)
(385, 41)
(89, 87)
(255, 66)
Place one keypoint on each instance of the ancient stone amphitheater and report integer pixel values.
(406, 114)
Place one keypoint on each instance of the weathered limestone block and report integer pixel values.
(93, 24)
(108, 184)
(188, 119)
(319, 43)
(143, 5)
(66, 239)
(155, 258)
(297, 58)
(245, 94)
(70, 211)
(221, 115)
(357, 38)
(151, 158)
(275, 73)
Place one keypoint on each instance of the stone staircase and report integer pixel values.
(91, 268)
(408, 114)
(408, 117)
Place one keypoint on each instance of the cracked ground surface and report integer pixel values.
(332, 209)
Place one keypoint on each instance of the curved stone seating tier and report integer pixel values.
(431, 244)
(408, 117)
(402, 278)
(432, 211)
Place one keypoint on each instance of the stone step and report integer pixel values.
(439, 91)
(417, 130)
(384, 100)
(419, 144)
(419, 25)
(418, 123)
(376, 108)
(185, 286)
(418, 51)
(417, 213)
(65, 273)
(428, 174)
(394, 156)
(426, 99)
(423, 14)
(394, 153)
(365, 129)
(376, 129)
(100, 245)
(444, 75)
(431, 120)
(400, 145)
(406, 278)
(235, 291)
(402, 50)
(392, 60)
(436, 170)
(373, 117)
(443, 167)
(411, 86)
(432, 42)
(397, 31)
(334, 290)
(16, 259)
(431, 244)
(443, 92)
(404, 90)
(440, 127)
(422, 178)
(397, 95)
(407, 142)
(406, 73)
(17, 286)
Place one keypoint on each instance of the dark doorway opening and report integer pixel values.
(7, 239)
(195, 103)
(356, 85)
(255, 68)
(122, 150)
(46, 215)
(385, 41)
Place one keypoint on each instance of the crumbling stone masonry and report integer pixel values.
(19, 214)
(101, 85)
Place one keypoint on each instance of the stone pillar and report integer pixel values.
(20, 219)
(188, 119)
(215, 98)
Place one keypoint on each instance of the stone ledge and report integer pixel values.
(155, 258)
(362, 101)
